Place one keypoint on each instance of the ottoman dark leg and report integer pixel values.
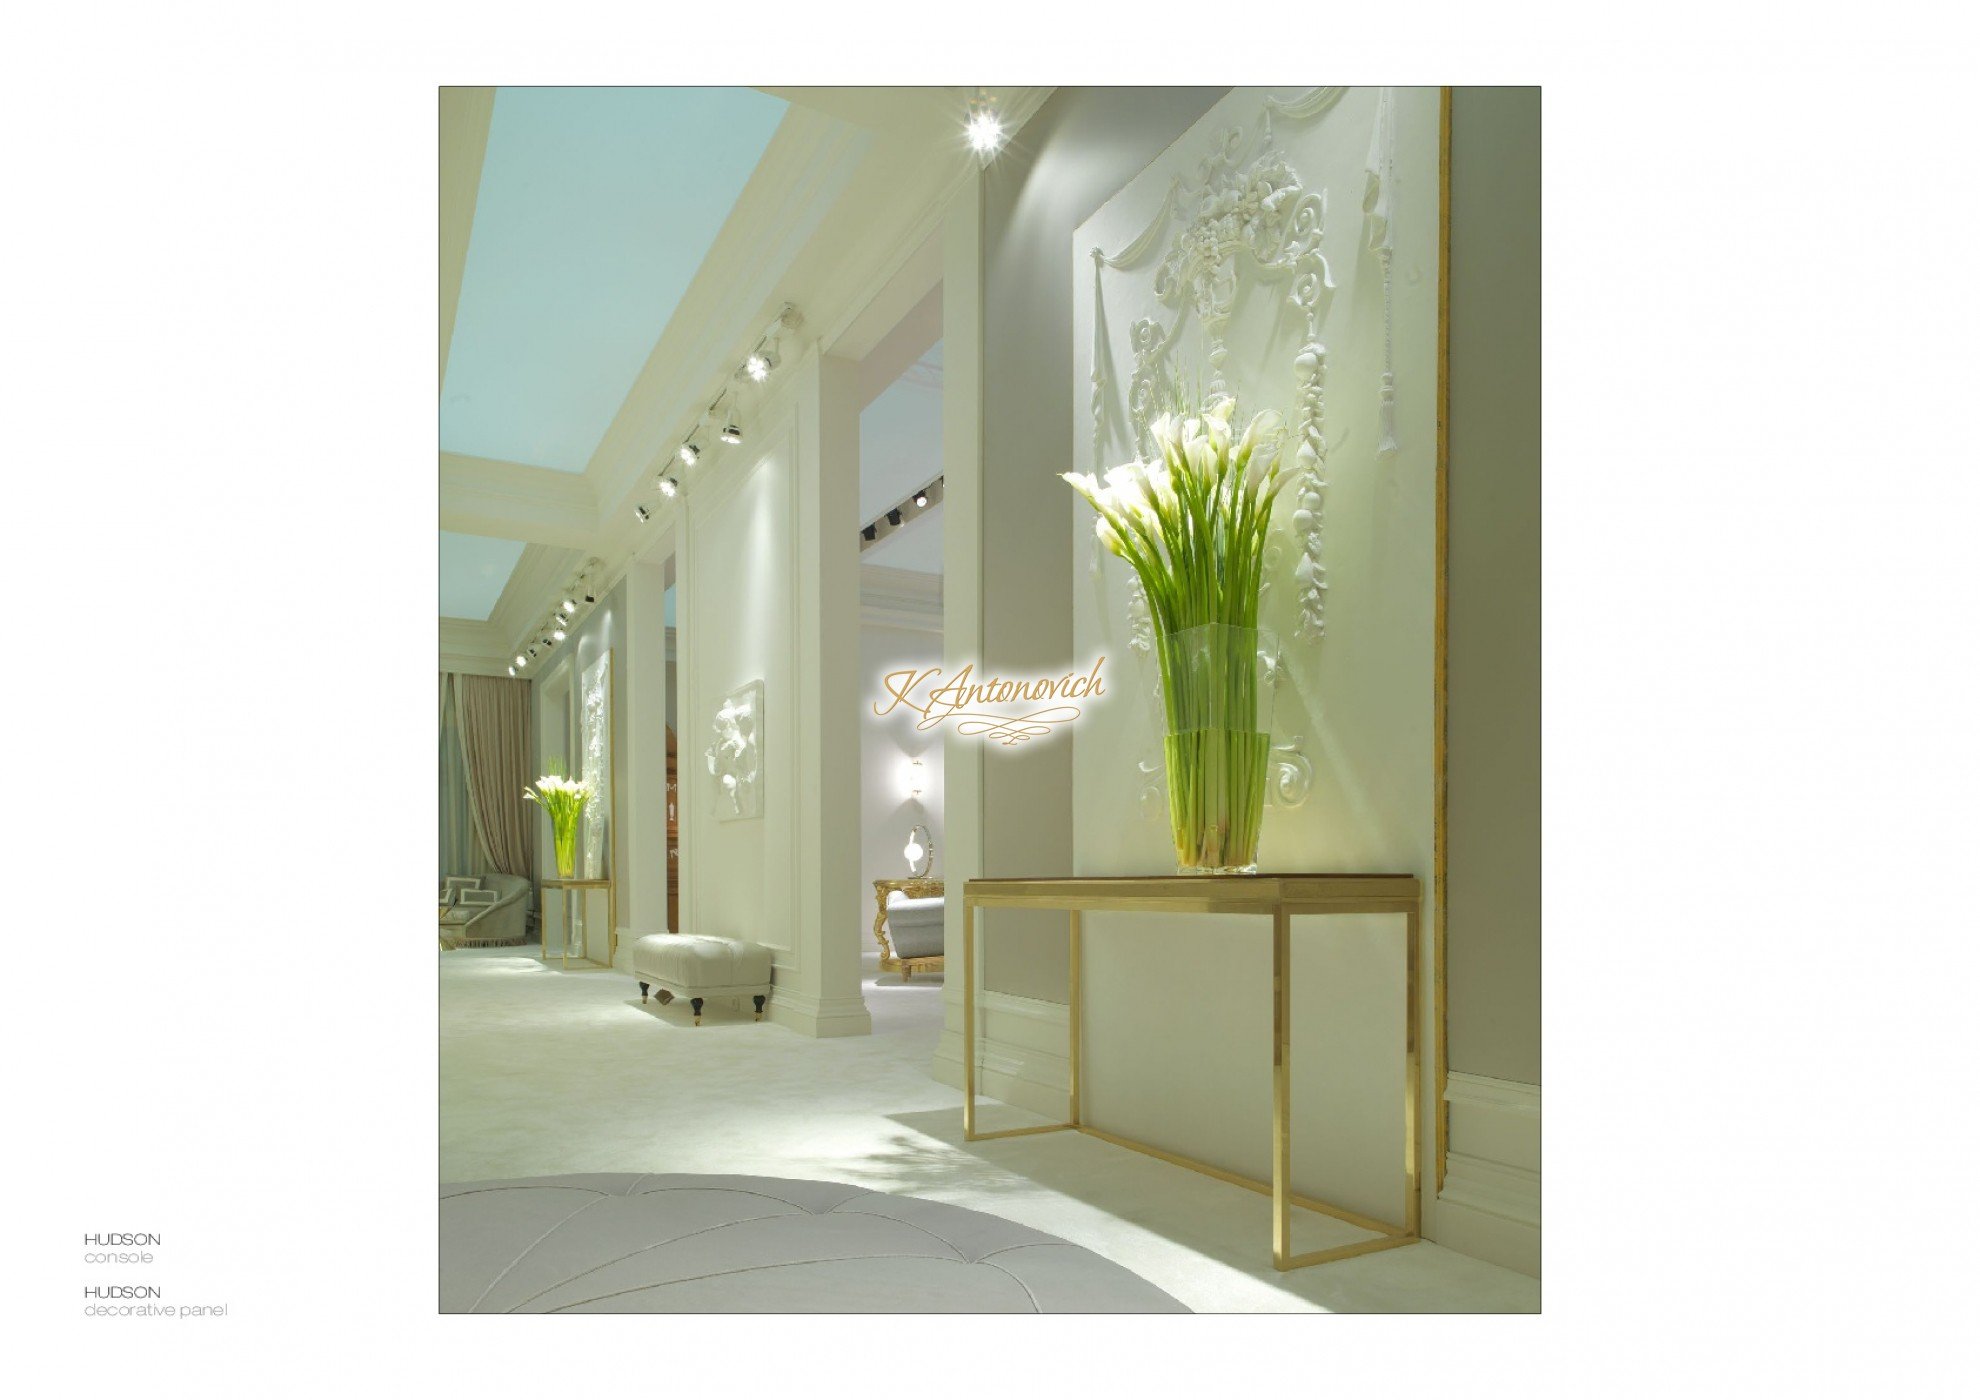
(642, 991)
(666, 997)
(759, 1007)
(696, 1003)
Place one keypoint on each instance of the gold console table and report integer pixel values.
(579, 887)
(1280, 896)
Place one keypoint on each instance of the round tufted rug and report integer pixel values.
(621, 1242)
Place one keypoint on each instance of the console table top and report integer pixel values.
(1199, 893)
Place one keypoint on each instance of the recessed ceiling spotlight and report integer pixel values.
(921, 499)
(644, 515)
(870, 532)
(894, 517)
(690, 453)
(521, 660)
(669, 487)
(984, 128)
(558, 634)
(732, 434)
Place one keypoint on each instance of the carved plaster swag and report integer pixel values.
(1246, 209)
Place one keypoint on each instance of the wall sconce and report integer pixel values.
(920, 852)
(912, 775)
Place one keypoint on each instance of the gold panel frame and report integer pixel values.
(1281, 897)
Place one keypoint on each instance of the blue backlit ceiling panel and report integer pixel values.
(596, 207)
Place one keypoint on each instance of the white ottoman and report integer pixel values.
(697, 967)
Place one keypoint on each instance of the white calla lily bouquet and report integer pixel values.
(1192, 524)
(562, 799)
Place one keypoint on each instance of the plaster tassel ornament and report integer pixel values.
(1310, 575)
(1376, 193)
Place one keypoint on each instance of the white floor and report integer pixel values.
(543, 1072)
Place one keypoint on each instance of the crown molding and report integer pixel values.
(477, 648)
(900, 598)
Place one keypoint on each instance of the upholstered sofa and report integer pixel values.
(912, 934)
(505, 921)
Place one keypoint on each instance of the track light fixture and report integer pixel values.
(920, 501)
(759, 362)
(644, 515)
(512, 670)
(733, 433)
(521, 660)
(558, 634)
(570, 606)
(587, 596)
(690, 452)
(669, 487)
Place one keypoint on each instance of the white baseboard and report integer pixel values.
(1490, 1204)
(1021, 1052)
(818, 1016)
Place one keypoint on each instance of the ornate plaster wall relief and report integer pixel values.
(1377, 194)
(1245, 213)
(595, 740)
(735, 756)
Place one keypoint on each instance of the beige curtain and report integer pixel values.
(494, 720)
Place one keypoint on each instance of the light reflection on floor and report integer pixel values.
(545, 1071)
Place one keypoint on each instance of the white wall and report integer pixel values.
(886, 811)
(737, 627)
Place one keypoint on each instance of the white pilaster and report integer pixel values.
(962, 550)
(642, 734)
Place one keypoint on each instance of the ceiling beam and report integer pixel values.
(464, 116)
(732, 296)
(512, 501)
(478, 648)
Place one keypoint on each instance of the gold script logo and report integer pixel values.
(967, 701)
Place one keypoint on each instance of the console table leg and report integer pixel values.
(1281, 1088)
(1413, 1056)
(1072, 1017)
(969, 1019)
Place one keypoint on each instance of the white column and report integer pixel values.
(825, 998)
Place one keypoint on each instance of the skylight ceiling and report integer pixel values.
(473, 572)
(596, 207)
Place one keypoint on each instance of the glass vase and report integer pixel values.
(566, 843)
(1217, 706)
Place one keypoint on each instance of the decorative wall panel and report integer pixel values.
(595, 756)
(735, 754)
